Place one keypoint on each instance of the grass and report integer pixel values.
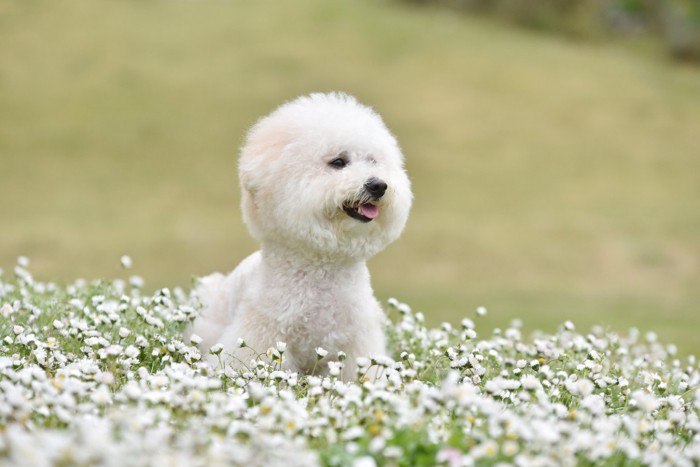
(553, 180)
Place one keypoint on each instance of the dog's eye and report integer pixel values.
(338, 162)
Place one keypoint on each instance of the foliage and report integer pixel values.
(96, 373)
(675, 22)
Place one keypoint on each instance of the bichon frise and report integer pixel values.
(323, 189)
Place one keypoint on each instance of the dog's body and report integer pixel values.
(323, 189)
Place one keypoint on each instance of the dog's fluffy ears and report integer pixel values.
(264, 142)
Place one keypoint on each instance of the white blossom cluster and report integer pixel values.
(99, 373)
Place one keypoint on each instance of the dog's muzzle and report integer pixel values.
(365, 210)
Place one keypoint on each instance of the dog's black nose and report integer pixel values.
(375, 187)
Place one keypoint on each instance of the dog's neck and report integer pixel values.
(280, 259)
(302, 266)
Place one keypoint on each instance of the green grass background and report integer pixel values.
(553, 180)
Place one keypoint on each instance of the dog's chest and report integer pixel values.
(315, 312)
(316, 320)
(313, 305)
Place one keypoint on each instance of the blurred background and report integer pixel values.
(554, 152)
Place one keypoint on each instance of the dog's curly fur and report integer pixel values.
(323, 189)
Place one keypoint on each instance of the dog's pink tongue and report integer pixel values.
(369, 210)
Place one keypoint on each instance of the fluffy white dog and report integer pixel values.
(323, 189)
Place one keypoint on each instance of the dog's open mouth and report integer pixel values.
(364, 212)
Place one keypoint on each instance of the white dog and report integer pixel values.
(323, 189)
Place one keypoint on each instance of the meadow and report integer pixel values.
(554, 180)
(98, 373)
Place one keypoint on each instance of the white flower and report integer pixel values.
(101, 396)
(132, 352)
(197, 396)
(352, 433)
(488, 448)
(481, 311)
(6, 310)
(645, 401)
(107, 378)
(256, 390)
(278, 375)
(510, 448)
(530, 382)
(40, 355)
(195, 339)
(320, 352)
(155, 322)
(584, 387)
(493, 386)
(334, 368)
(124, 333)
(136, 282)
(126, 262)
(594, 404)
(92, 341)
(362, 362)
(364, 461)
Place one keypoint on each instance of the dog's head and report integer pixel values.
(323, 175)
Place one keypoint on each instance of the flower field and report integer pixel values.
(99, 373)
